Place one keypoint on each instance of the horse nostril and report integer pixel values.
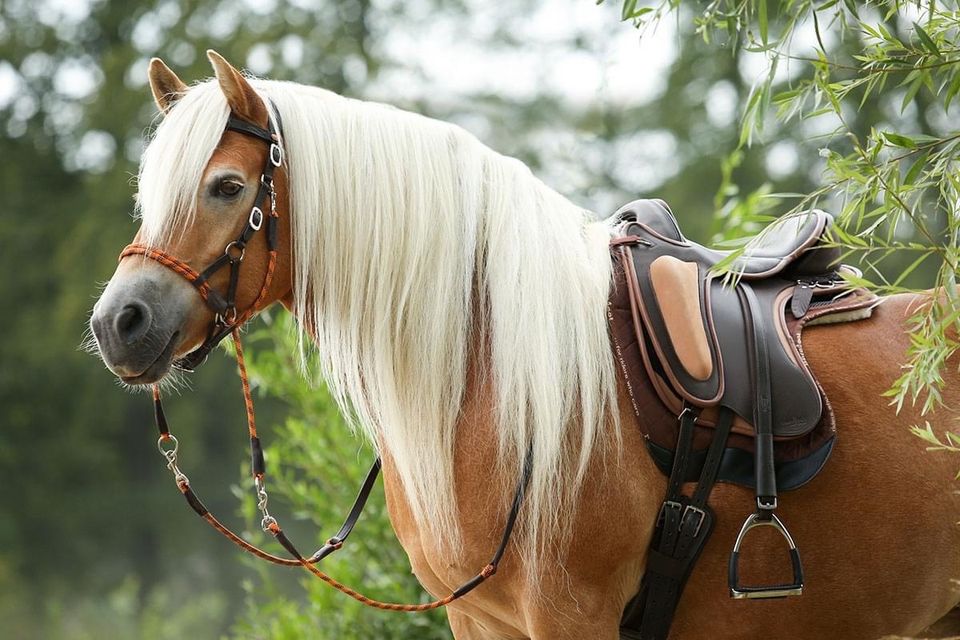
(133, 322)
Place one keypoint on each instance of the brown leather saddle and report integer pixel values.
(720, 348)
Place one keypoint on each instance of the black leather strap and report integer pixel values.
(336, 542)
(766, 475)
(684, 526)
(242, 126)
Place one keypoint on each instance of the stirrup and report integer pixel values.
(738, 591)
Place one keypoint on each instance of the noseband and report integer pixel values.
(227, 321)
(224, 307)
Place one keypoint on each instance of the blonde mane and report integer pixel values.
(410, 238)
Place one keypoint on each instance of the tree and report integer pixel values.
(872, 87)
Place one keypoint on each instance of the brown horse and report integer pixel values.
(458, 310)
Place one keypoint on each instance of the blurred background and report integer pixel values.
(94, 540)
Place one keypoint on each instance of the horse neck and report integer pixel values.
(444, 239)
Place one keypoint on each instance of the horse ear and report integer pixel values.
(243, 100)
(167, 88)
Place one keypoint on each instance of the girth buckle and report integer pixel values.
(672, 504)
(696, 511)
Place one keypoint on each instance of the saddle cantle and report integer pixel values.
(721, 351)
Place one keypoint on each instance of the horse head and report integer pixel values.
(200, 265)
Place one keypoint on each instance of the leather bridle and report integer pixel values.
(227, 322)
(224, 306)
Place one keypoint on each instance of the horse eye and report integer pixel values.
(229, 187)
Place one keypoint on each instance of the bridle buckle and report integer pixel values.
(256, 218)
(276, 154)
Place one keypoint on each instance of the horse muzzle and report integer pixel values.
(138, 326)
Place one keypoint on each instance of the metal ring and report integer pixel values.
(165, 451)
(228, 317)
(235, 245)
(256, 218)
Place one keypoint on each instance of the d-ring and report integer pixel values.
(233, 246)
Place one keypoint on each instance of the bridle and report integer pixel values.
(226, 317)
(227, 322)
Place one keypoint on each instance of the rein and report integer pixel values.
(227, 322)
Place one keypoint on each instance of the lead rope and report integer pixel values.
(169, 447)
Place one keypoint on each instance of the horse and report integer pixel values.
(456, 308)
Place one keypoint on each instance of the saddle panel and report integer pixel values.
(669, 337)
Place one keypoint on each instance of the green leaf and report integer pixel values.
(637, 13)
(911, 93)
(899, 140)
(952, 91)
(910, 269)
(762, 18)
(916, 168)
(927, 40)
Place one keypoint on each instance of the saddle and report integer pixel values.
(717, 337)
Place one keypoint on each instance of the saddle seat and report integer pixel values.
(779, 246)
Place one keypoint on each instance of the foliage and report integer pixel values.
(892, 179)
(315, 466)
(949, 442)
(90, 492)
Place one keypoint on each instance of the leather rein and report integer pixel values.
(227, 322)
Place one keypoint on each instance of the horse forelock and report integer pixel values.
(173, 162)
(403, 228)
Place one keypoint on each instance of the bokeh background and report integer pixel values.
(95, 541)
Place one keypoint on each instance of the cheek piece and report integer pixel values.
(227, 321)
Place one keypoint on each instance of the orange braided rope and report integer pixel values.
(169, 261)
(245, 384)
(274, 528)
